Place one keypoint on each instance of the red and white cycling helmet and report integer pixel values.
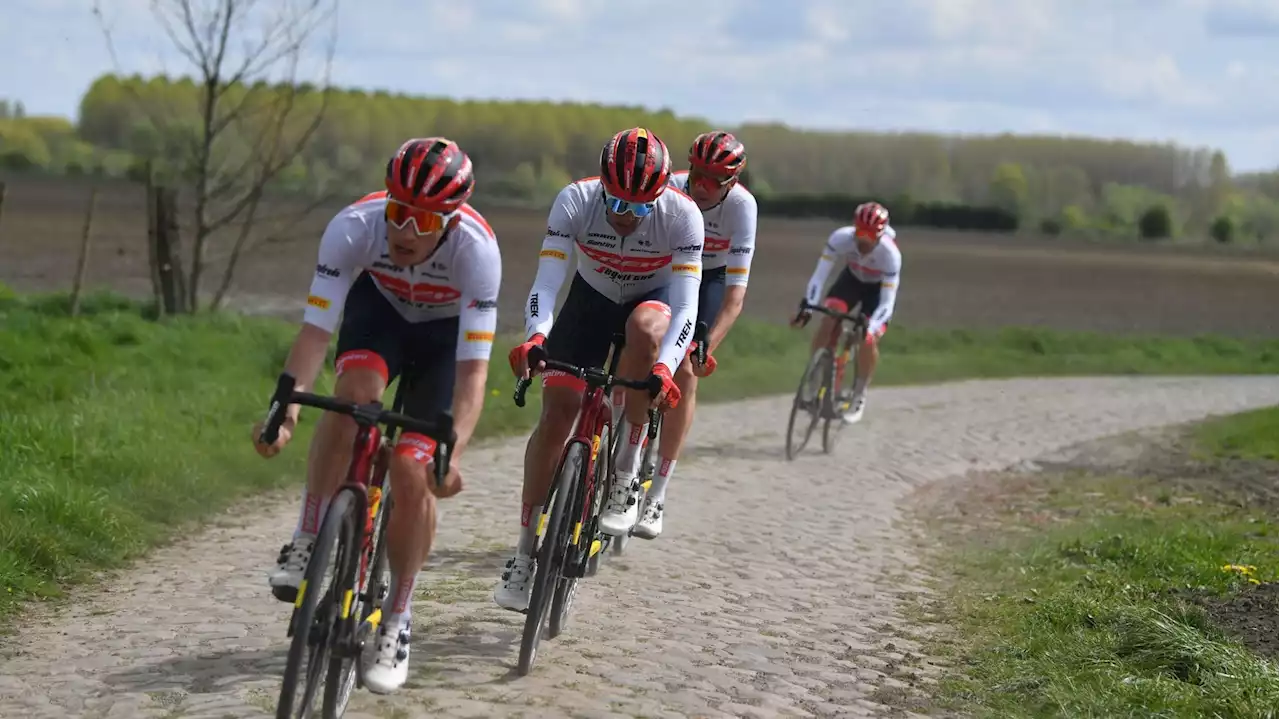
(634, 166)
(718, 153)
(870, 219)
(431, 174)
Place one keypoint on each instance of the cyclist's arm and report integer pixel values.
(682, 292)
(837, 244)
(888, 298)
(336, 268)
(553, 263)
(742, 247)
(480, 276)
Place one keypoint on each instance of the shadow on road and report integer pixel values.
(204, 673)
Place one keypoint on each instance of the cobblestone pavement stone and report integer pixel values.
(765, 597)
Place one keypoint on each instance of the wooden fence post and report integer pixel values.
(82, 265)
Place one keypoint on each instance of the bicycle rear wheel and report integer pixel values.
(551, 554)
(316, 612)
(809, 397)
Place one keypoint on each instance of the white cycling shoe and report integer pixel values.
(622, 508)
(387, 667)
(290, 567)
(650, 524)
(516, 585)
(857, 406)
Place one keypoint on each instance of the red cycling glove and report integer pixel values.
(669, 389)
(519, 355)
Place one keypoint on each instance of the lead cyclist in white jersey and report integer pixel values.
(414, 273)
(871, 277)
(716, 161)
(638, 244)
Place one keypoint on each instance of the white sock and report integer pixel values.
(401, 607)
(311, 514)
(658, 490)
(529, 517)
(628, 463)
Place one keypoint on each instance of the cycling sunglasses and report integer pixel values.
(424, 222)
(619, 206)
(707, 183)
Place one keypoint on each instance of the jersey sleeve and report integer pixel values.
(889, 283)
(480, 278)
(553, 261)
(742, 244)
(687, 238)
(337, 265)
(839, 243)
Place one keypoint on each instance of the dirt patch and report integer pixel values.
(1250, 615)
(954, 280)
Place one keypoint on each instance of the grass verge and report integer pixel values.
(116, 430)
(1091, 594)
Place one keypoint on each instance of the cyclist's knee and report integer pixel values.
(362, 376)
(646, 326)
(409, 467)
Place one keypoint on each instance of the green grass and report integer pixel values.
(116, 430)
(1082, 617)
(1249, 435)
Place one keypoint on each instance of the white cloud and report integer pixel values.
(1202, 72)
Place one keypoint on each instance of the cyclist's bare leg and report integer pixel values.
(645, 328)
(868, 356)
(560, 400)
(826, 334)
(327, 461)
(411, 528)
(675, 428)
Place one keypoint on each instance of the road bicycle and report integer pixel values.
(648, 460)
(329, 629)
(569, 536)
(819, 394)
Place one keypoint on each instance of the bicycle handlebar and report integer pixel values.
(857, 318)
(366, 414)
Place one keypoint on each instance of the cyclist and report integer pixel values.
(414, 272)
(870, 277)
(638, 244)
(716, 161)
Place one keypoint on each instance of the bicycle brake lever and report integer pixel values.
(277, 408)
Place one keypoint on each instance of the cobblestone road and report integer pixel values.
(766, 596)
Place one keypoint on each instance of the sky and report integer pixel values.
(1196, 72)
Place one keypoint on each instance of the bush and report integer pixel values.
(1156, 223)
(1223, 229)
(1051, 226)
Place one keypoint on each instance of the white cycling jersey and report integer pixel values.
(730, 231)
(461, 279)
(665, 250)
(883, 266)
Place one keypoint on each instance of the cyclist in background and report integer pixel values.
(414, 272)
(716, 161)
(638, 244)
(871, 277)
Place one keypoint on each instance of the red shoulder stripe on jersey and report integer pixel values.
(471, 212)
(380, 194)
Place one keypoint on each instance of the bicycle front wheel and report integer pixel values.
(315, 617)
(551, 554)
(808, 399)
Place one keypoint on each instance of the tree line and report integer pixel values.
(525, 151)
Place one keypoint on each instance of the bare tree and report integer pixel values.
(254, 118)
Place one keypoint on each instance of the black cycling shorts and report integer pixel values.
(585, 326)
(850, 291)
(711, 295)
(374, 335)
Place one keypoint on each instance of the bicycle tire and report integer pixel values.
(344, 672)
(550, 557)
(834, 424)
(819, 361)
(310, 600)
(566, 587)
